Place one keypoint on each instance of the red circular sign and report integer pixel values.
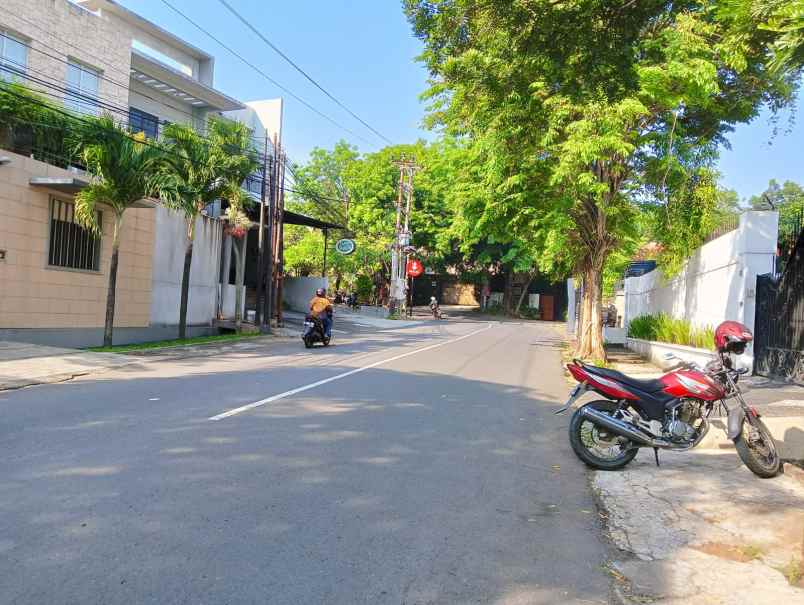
(415, 268)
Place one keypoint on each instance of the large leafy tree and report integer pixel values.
(783, 19)
(339, 184)
(787, 199)
(202, 169)
(125, 170)
(627, 109)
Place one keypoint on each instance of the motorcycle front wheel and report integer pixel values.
(594, 445)
(757, 449)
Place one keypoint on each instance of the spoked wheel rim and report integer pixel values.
(761, 443)
(602, 444)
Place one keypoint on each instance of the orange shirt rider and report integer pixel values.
(319, 305)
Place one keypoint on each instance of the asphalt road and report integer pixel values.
(429, 469)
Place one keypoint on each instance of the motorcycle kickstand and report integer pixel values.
(656, 454)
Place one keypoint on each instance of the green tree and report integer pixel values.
(633, 101)
(783, 20)
(125, 170)
(202, 169)
(787, 199)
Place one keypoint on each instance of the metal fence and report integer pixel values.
(779, 322)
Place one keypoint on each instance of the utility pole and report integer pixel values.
(261, 239)
(407, 168)
(267, 275)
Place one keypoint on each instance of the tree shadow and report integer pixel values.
(387, 487)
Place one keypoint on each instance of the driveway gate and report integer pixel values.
(779, 322)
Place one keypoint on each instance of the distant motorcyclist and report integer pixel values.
(434, 308)
(321, 307)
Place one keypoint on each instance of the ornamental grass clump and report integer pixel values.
(663, 328)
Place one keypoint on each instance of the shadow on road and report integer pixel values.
(387, 487)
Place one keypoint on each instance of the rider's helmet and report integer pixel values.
(321, 292)
(732, 337)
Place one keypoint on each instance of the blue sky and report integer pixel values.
(363, 52)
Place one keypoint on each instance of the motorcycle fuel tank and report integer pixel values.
(691, 383)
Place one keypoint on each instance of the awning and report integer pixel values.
(68, 185)
(292, 218)
(72, 184)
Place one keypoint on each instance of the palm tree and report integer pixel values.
(201, 170)
(235, 139)
(195, 167)
(126, 170)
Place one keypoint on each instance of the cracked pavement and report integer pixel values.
(702, 529)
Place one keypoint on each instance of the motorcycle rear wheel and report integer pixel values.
(586, 437)
(758, 451)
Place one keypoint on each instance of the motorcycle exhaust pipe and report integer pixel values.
(623, 429)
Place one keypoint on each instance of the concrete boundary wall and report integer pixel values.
(297, 291)
(717, 283)
(169, 246)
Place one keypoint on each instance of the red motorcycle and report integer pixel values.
(671, 412)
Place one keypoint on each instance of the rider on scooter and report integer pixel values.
(321, 307)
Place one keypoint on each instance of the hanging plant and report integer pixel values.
(237, 222)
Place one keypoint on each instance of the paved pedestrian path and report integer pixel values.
(25, 364)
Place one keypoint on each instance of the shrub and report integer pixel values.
(663, 328)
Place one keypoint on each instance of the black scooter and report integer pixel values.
(314, 332)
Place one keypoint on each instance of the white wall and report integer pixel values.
(718, 282)
(228, 293)
(169, 246)
(297, 291)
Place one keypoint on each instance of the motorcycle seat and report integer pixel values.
(648, 385)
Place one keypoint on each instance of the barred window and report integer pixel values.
(71, 245)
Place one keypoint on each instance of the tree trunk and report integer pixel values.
(590, 339)
(185, 278)
(531, 275)
(239, 275)
(108, 327)
(508, 291)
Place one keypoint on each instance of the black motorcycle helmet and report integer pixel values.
(321, 292)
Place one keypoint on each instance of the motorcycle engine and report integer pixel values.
(682, 420)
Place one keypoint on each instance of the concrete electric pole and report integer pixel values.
(407, 168)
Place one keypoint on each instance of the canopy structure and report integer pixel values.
(292, 218)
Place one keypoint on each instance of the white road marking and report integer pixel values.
(339, 331)
(318, 383)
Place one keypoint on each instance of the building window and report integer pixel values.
(140, 121)
(82, 85)
(13, 58)
(71, 245)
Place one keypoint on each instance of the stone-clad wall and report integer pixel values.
(67, 31)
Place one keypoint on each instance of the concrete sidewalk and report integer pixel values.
(702, 529)
(23, 364)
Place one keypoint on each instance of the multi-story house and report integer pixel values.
(96, 56)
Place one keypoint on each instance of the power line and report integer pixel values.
(263, 74)
(97, 58)
(302, 72)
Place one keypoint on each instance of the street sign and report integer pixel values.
(345, 246)
(415, 268)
